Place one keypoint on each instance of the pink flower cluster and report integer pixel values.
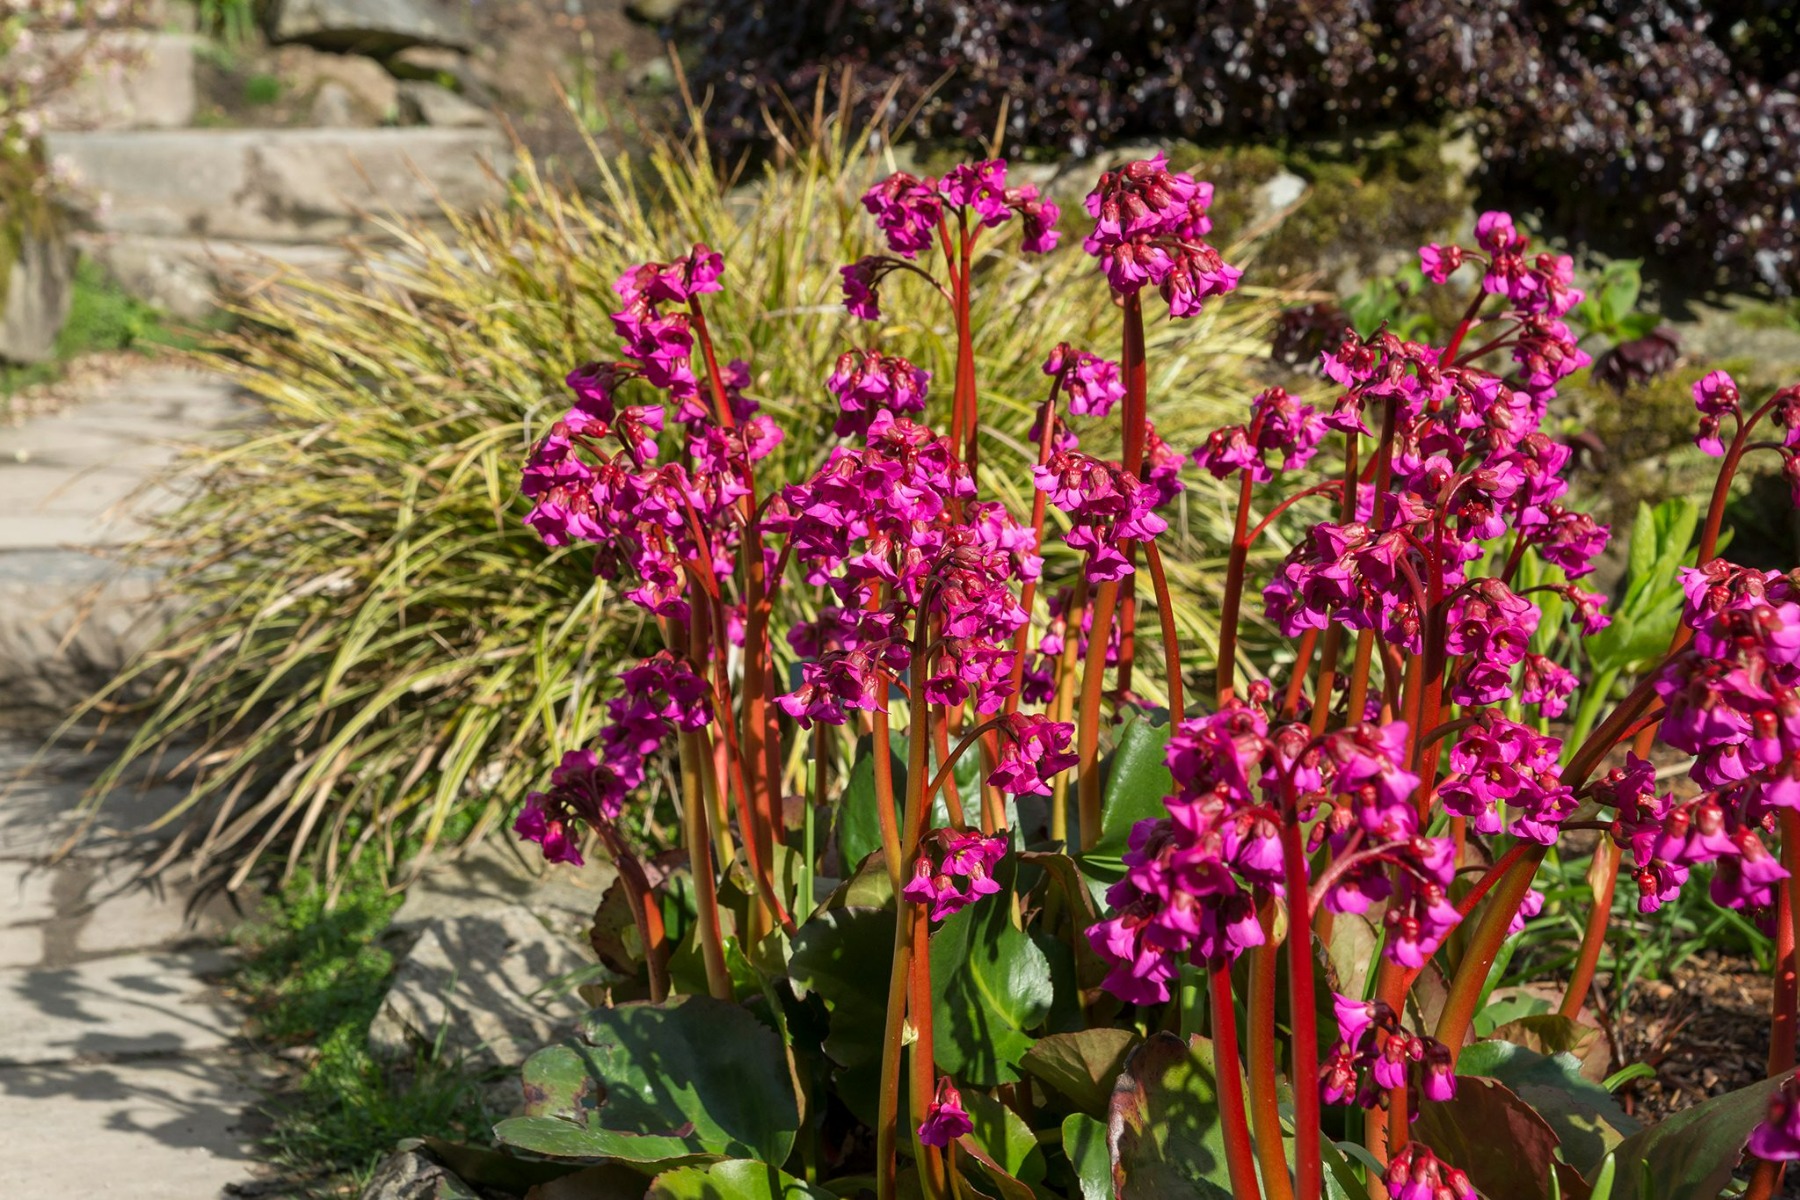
(1732, 704)
(1092, 383)
(1499, 765)
(954, 869)
(1374, 1055)
(1033, 751)
(1106, 509)
(945, 1118)
(867, 382)
(1192, 878)
(1150, 226)
(1415, 1173)
(1279, 424)
(891, 529)
(910, 211)
(661, 694)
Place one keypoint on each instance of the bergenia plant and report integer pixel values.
(1058, 942)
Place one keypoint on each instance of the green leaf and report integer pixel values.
(1084, 1141)
(1136, 782)
(1506, 1148)
(1082, 1066)
(989, 984)
(846, 956)
(858, 820)
(734, 1179)
(1065, 884)
(1341, 1182)
(1691, 1156)
(687, 1079)
(1585, 1117)
(1006, 1137)
(1165, 1138)
(1553, 1033)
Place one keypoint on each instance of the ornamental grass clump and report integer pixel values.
(1234, 945)
(373, 654)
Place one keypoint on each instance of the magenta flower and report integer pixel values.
(1033, 751)
(867, 381)
(1415, 1173)
(954, 870)
(1092, 383)
(945, 1119)
(907, 209)
(861, 279)
(1439, 262)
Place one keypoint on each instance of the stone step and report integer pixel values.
(188, 277)
(147, 83)
(279, 185)
(75, 483)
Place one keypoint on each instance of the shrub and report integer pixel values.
(1676, 118)
(1256, 952)
(375, 652)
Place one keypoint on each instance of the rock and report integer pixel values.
(653, 12)
(1278, 193)
(495, 875)
(410, 1174)
(146, 82)
(333, 107)
(191, 277)
(39, 289)
(374, 26)
(424, 103)
(478, 984)
(374, 93)
(280, 185)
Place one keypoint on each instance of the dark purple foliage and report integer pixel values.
(1674, 122)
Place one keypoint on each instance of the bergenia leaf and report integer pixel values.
(1164, 1131)
(990, 983)
(688, 1079)
(1691, 1155)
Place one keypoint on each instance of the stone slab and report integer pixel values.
(374, 26)
(147, 83)
(39, 795)
(128, 1007)
(287, 185)
(495, 874)
(190, 277)
(35, 299)
(476, 986)
(146, 1130)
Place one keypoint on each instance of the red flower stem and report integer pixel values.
(1764, 1180)
(1321, 710)
(1358, 698)
(1240, 1156)
(920, 1056)
(1065, 701)
(1131, 369)
(1127, 624)
(947, 765)
(887, 1118)
(1304, 1055)
(1303, 655)
(1463, 326)
(940, 740)
(1484, 946)
(1781, 998)
(1265, 1107)
(965, 355)
(1093, 683)
(1234, 591)
(1783, 1025)
(1715, 510)
(700, 864)
(1318, 489)
(1365, 640)
(885, 813)
(1593, 936)
(715, 381)
(1165, 612)
(1028, 593)
(646, 913)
